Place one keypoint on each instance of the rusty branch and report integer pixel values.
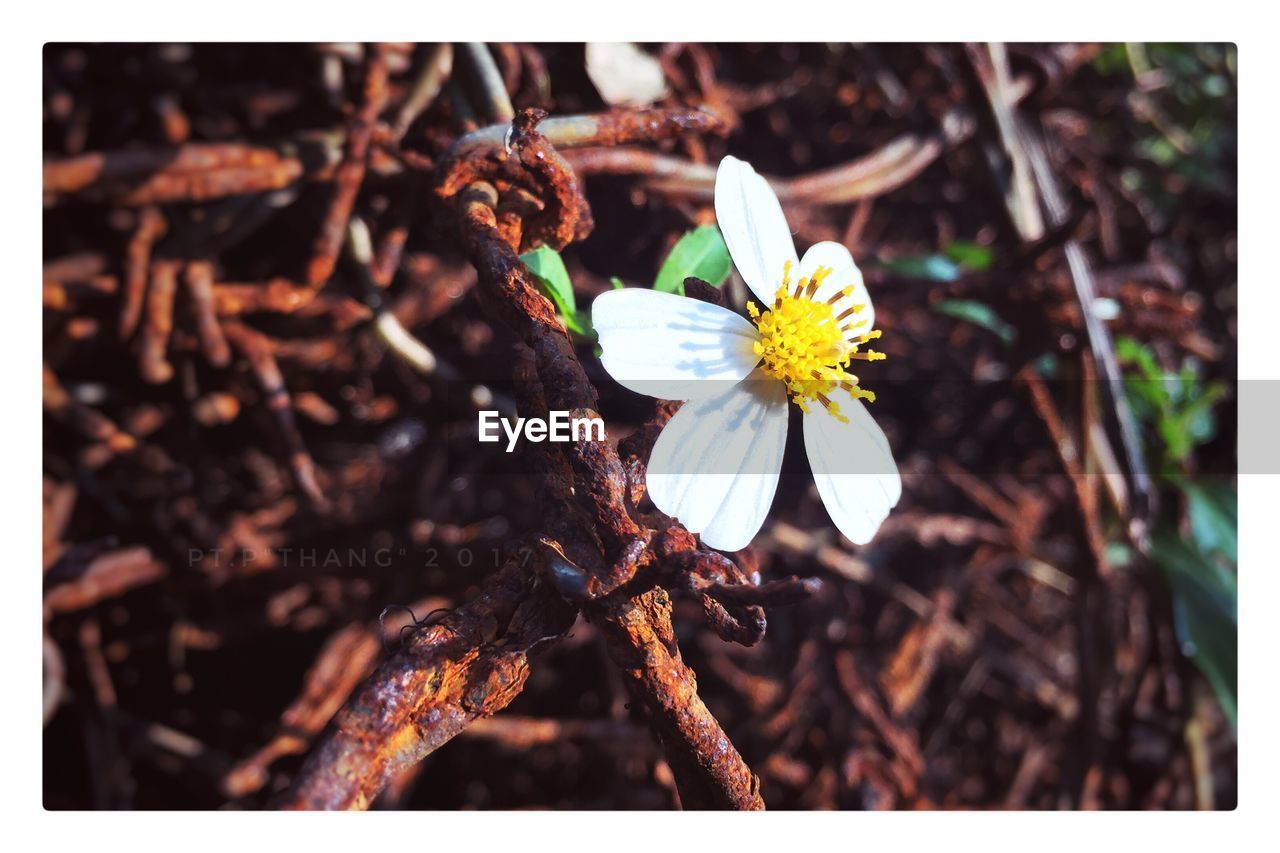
(590, 556)
(710, 773)
(469, 665)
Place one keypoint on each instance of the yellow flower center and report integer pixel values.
(809, 344)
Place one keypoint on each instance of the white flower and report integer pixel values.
(716, 465)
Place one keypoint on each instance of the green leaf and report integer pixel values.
(1139, 355)
(929, 267)
(702, 253)
(1197, 418)
(957, 258)
(978, 314)
(1215, 521)
(548, 268)
(1205, 612)
(553, 280)
(971, 256)
(581, 324)
(616, 282)
(1178, 407)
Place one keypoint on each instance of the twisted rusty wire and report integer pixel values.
(596, 555)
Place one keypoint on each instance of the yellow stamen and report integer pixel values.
(803, 345)
(840, 294)
(851, 310)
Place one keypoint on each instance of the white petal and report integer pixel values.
(670, 346)
(625, 75)
(844, 273)
(852, 466)
(715, 466)
(754, 228)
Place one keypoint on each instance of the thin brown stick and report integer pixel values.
(892, 165)
(151, 226)
(152, 358)
(489, 88)
(199, 281)
(341, 664)
(350, 173)
(430, 80)
(107, 576)
(255, 347)
(148, 176)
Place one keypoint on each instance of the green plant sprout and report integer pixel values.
(1200, 565)
(955, 260)
(552, 279)
(701, 253)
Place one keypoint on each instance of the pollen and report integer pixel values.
(808, 344)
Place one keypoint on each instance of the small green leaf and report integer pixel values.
(1205, 612)
(971, 256)
(1215, 520)
(1196, 419)
(1177, 407)
(553, 280)
(548, 268)
(1139, 355)
(957, 258)
(702, 253)
(580, 324)
(617, 283)
(928, 267)
(978, 314)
